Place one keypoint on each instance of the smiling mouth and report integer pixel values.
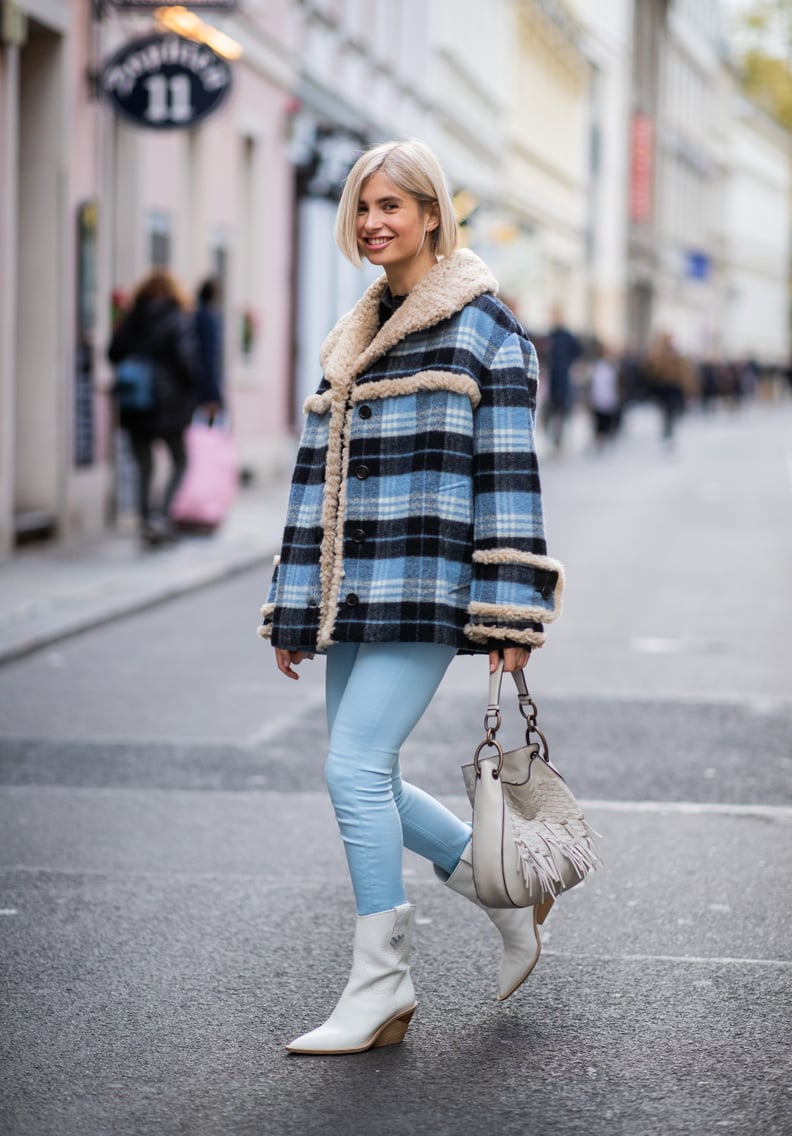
(377, 242)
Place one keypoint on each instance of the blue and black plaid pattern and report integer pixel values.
(429, 479)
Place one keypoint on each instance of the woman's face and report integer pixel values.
(393, 232)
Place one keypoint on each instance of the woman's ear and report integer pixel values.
(432, 218)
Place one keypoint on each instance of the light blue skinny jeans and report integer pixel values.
(376, 693)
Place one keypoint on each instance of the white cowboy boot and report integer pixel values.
(519, 926)
(378, 1000)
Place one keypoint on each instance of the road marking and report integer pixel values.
(760, 703)
(275, 726)
(692, 808)
(656, 645)
(684, 808)
(694, 960)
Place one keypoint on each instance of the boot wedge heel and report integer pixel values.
(543, 910)
(392, 1033)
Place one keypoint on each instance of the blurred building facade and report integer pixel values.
(600, 156)
(693, 132)
(90, 203)
(757, 240)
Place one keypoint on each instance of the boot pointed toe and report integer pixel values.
(330, 1041)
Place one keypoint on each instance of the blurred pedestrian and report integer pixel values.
(666, 374)
(604, 401)
(415, 531)
(564, 349)
(709, 380)
(157, 386)
(209, 340)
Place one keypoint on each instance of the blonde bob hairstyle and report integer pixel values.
(413, 168)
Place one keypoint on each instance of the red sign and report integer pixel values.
(641, 168)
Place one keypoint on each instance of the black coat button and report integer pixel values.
(361, 473)
(547, 591)
(365, 411)
(358, 536)
(352, 600)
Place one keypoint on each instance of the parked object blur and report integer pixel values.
(157, 389)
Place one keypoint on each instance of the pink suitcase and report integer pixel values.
(209, 486)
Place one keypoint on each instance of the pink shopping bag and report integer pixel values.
(209, 486)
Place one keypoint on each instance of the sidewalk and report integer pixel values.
(48, 592)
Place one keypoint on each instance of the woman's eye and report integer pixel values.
(390, 206)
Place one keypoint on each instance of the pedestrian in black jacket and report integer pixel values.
(158, 379)
(209, 336)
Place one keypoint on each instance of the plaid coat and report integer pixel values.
(415, 510)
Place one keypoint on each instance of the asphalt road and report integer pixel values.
(174, 903)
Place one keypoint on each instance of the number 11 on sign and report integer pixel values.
(169, 98)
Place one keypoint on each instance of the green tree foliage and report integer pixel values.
(764, 31)
(768, 82)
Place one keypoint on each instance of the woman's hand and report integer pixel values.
(287, 660)
(514, 659)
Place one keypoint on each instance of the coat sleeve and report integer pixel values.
(268, 607)
(516, 587)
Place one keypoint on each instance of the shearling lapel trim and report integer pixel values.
(356, 342)
(331, 554)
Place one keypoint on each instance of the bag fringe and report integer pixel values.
(546, 847)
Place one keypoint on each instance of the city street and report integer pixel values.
(174, 903)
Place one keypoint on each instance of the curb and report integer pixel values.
(116, 608)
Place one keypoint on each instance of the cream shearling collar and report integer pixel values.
(357, 341)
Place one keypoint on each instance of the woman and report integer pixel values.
(157, 386)
(414, 531)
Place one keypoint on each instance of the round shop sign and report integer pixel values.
(166, 82)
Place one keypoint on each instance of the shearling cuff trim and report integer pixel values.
(265, 631)
(531, 560)
(483, 632)
(421, 381)
(512, 613)
(318, 403)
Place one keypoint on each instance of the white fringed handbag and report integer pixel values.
(530, 838)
